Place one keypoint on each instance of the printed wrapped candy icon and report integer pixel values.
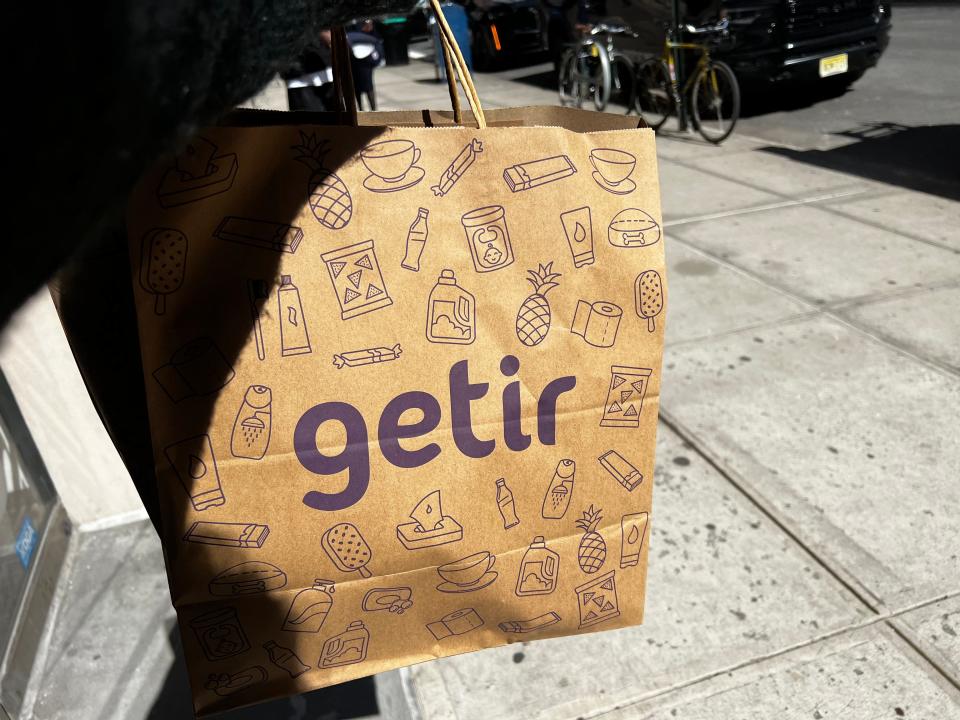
(357, 280)
(628, 386)
(346, 547)
(649, 296)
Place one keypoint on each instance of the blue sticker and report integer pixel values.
(26, 542)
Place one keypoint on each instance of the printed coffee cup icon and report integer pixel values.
(392, 164)
(613, 168)
(466, 574)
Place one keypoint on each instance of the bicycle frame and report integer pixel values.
(670, 57)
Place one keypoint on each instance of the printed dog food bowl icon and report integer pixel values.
(633, 228)
(612, 170)
(392, 164)
(467, 574)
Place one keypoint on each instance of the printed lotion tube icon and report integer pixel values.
(193, 462)
(294, 339)
(578, 228)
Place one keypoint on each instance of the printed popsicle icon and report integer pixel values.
(649, 296)
(163, 263)
(346, 547)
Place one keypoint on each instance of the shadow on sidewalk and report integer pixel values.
(925, 158)
(347, 701)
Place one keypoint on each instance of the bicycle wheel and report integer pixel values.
(654, 96)
(623, 78)
(601, 79)
(716, 101)
(567, 82)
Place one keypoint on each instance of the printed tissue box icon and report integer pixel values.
(430, 526)
(199, 173)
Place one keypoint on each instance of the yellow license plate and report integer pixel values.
(833, 65)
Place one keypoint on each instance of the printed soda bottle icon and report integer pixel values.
(508, 510)
(538, 569)
(285, 659)
(293, 328)
(451, 312)
(416, 241)
(310, 607)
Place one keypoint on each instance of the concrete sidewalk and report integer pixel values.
(805, 552)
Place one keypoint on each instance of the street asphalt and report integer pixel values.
(805, 553)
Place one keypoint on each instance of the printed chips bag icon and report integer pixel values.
(459, 436)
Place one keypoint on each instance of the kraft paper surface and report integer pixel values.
(403, 386)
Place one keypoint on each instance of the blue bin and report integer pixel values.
(460, 25)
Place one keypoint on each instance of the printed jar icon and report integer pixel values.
(451, 312)
(488, 238)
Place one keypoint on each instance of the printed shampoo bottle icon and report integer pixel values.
(451, 312)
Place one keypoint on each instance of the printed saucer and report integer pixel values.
(624, 187)
(449, 587)
(375, 183)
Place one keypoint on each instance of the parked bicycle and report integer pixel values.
(594, 68)
(710, 91)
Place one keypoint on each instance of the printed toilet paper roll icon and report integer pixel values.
(597, 322)
(458, 622)
(488, 237)
(197, 368)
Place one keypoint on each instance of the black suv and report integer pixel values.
(771, 40)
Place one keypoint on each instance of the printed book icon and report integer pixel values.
(455, 170)
(247, 578)
(451, 312)
(632, 228)
(612, 169)
(488, 238)
(199, 173)
(430, 526)
(329, 197)
(628, 386)
(347, 648)
(163, 264)
(392, 165)
(357, 280)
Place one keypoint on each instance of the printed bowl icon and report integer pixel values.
(614, 166)
(468, 570)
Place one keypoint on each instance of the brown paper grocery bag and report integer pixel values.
(403, 385)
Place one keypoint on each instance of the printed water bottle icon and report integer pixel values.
(451, 312)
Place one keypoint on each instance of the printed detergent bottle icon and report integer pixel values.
(538, 569)
(451, 312)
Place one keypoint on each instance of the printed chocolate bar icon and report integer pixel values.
(430, 526)
(534, 173)
(532, 625)
(238, 535)
(622, 471)
(260, 233)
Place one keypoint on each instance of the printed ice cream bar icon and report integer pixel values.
(195, 466)
(347, 648)
(220, 634)
(294, 337)
(238, 535)
(260, 233)
(163, 263)
(628, 386)
(538, 570)
(459, 622)
(251, 429)
(633, 228)
(524, 176)
(357, 280)
(597, 600)
(622, 471)
(633, 528)
(488, 238)
(597, 322)
(649, 296)
(557, 498)
(248, 578)
(451, 312)
(310, 607)
(528, 626)
(195, 369)
(346, 547)
(430, 526)
(578, 227)
(199, 173)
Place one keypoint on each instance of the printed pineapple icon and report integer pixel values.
(593, 550)
(533, 320)
(330, 199)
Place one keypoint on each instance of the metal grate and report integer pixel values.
(810, 18)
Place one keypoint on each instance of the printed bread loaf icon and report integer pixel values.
(163, 262)
(649, 292)
(346, 547)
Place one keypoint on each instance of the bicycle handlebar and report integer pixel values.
(720, 27)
